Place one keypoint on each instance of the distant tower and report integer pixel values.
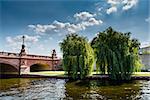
(23, 52)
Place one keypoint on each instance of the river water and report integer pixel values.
(62, 89)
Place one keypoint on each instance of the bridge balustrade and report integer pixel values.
(9, 54)
(38, 56)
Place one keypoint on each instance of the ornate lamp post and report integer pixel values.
(22, 53)
(53, 59)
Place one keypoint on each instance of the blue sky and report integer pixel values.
(46, 22)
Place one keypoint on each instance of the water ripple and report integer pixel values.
(58, 89)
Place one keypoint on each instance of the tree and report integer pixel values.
(116, 54)
(78, 56)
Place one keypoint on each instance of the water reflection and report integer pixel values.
(102, 90)
(144, 90)
(57, 89)
(27, 89)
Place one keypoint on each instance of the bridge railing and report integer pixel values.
(9, 54)
(39, 56)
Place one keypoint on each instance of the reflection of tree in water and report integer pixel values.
(102, 90)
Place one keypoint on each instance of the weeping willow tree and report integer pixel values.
(78, 56)
(116, 53)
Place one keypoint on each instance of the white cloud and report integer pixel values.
(60, 27)
(72, 28)
(58, 24)
(31, 26)
(91, 22)
(111, 10)
(113, 2)
(147, 19)
(129, 4)
(68, 27)
(41, 28)
(31, 39)
(15, 42)
(9, 39)
(124, 4)
(83, 15)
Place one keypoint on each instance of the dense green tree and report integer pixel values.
(116, 53)
(78, 56)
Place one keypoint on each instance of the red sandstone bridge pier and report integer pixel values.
(17, 63)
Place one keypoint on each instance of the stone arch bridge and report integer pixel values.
(24, 63)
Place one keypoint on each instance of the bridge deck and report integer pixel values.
(28, 56)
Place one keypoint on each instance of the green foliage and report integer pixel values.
(78, 56)
(116, 54)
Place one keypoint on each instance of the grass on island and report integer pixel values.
(47, 73)
(141, 74)
(62, 73)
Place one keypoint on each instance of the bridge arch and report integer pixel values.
(39, 67)
(8, 70)
(9, 63)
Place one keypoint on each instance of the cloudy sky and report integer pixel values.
(46, 22)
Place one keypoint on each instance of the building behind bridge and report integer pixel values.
(145, 57)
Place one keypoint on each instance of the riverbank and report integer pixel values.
(94, 75)
(88, 77)
(62, 73)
